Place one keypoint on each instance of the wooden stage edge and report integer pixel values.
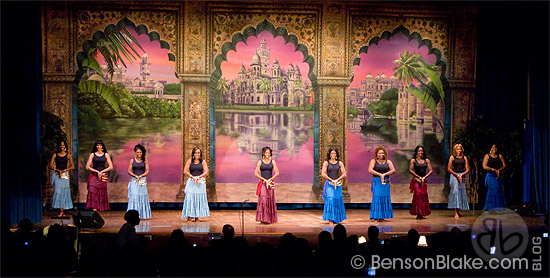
(302, 223)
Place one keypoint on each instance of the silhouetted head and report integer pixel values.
(132, 217)
(25, 225)
(228, 231)
(324, 238)
(287, 241)
(339, 232)
(412, 237)
(372, 233)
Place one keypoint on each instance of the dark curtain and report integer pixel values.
(512, 45)
(21, 106)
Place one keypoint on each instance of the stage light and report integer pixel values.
(545, 235)
(362, 239)
(422, 241)
(492, 250)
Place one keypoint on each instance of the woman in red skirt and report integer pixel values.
(99, 164)
(266, 210)
(420, 169)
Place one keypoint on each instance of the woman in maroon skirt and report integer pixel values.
(420, 169)
(99, 164)
(266, 211)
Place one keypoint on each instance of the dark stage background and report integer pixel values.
(512, 42)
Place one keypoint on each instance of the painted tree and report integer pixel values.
(280, 83)
(411, 70)
(265, 86)
(116, 47)
(223, 87)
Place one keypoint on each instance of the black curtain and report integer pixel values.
(21, 106)
(512, 45)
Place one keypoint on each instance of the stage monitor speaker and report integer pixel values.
(88, 219)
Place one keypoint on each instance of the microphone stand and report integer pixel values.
(242, 216)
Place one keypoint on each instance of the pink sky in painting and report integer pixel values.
(233, 166)
(379, 58)
(283, 53)
(161, 67)
(164, 159)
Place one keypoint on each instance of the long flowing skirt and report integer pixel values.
(334, 210)
(195, 203)
(458, 197)
(266, 210)
(61, 193)
(495, 195)
(420, 204)
(97, 194)
(381, 200)
(138, 198)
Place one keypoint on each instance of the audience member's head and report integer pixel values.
(287, 241)
(412, 237)
(339, 232)
(177, 239)
(132, 217)
(372, 233)
(302, 246)
(455, 233)
(25, 225)
(324, 238)
(228, 231)
(55, 233)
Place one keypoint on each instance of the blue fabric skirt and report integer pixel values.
(195, 203)
(61, 193)
(138, 198)
(458, 197)
(334, 210)
(380, 207)
(495, 195)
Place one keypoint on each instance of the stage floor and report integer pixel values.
(301, 223)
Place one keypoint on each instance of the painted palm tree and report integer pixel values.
(116, 48)
(237, 83)
(223, 87)
(298, 84)
(265, 86)
(413, 69)
(280, 83)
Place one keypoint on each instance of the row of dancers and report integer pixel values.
(195, 204)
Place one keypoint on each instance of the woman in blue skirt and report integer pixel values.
(138, 197)
(195, 204)
(493, 162)
(381, 168)
(61, 164)
(334, 211)
(458, 167)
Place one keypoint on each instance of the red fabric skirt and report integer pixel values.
(266, 211)
(97, 194)
(420, 204)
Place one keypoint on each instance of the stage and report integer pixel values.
(305, 223)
